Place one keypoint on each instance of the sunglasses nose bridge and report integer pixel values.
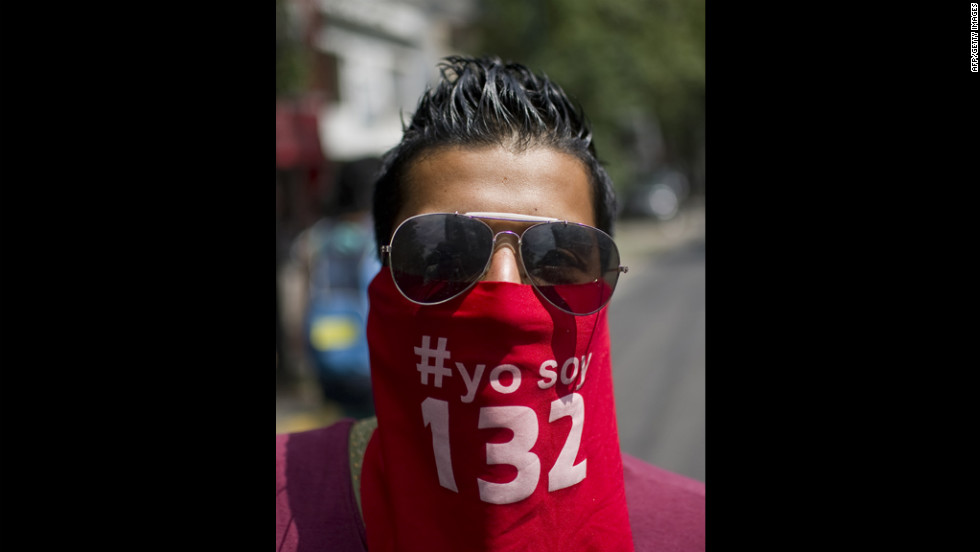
(510, 234)
(505, 259)
(511, 240)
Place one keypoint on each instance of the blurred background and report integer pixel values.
(349, 71)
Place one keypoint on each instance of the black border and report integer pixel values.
(130, 238)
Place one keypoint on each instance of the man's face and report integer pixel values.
(539, 182)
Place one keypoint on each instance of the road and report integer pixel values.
(657, 329)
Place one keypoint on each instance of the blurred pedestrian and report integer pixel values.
(495, 423)
(340, 258)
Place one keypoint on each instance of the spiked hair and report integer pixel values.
(484, 102)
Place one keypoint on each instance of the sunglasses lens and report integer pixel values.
(573, 266)
(436, 257)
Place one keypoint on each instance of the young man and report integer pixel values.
(490, 361)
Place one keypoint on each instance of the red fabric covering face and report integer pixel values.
(496, 426)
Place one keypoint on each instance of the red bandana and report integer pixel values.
(496, 426)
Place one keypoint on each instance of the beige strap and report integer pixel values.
(360, 434)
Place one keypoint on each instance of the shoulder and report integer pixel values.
(298, 445)
(666, 509)
(314, 494)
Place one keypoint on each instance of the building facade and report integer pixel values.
(367, 63)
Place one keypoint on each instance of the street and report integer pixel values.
(657, 329)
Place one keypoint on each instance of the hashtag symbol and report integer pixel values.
(438, 355)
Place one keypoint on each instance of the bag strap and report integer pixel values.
(360, 433)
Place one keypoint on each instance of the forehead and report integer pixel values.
(538, 181)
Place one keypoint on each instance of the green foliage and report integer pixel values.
(291, 59)
(630, 63)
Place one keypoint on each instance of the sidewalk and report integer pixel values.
(300, 407)
(643, 237)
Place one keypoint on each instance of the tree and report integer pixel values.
(636, 66)
(291, 59)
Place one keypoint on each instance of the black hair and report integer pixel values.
(484, 101)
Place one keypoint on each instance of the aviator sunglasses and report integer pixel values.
(435, 257)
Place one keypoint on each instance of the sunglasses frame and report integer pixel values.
(510, 217)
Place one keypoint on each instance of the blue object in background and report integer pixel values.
(342, 265)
